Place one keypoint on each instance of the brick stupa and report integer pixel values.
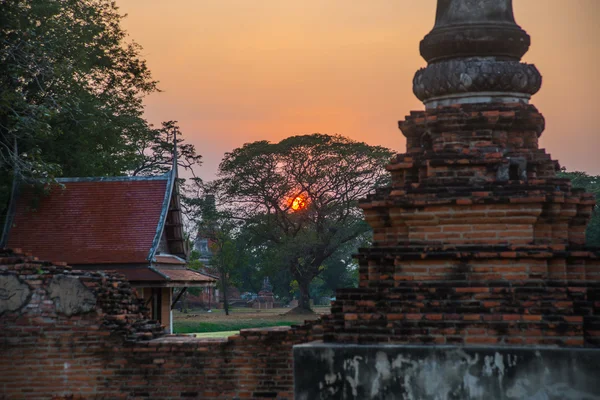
(477, 241)
(478, 284)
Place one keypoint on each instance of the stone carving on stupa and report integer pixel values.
(473, 55)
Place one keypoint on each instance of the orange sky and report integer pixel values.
(236, 71)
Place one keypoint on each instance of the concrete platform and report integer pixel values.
(328, 371)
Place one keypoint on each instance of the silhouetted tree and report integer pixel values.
(299, 197)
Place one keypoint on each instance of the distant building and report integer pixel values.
(131, 225)
(210, 296)
(201, 245)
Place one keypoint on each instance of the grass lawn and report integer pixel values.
(233, 325)
(202, 322)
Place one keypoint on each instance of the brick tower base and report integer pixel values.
(478, 282)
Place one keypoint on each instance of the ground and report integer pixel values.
(217, 324)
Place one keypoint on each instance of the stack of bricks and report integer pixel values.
(476, 241)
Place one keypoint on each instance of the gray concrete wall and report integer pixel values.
(388, 372)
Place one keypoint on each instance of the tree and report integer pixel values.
(341, 270)
(249, 271)
(592, 185)
(154, 155)
(218, 228)
(193, 262)
(155, 151)
(71, 91)
(299, 197)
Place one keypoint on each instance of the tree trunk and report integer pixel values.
(224, 286)
(304, 302)
(184, 303)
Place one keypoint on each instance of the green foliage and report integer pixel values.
(155, 151)
(339, 273)
(194, 262)
(218, 227)
(71, 91)
(71, 88)
(260, 180)
(592, 185)
(254, 263)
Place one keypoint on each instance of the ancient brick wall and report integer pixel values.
(68, 334)
(476, 242)
(477, 313)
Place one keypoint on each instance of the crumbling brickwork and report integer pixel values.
(107, 348)
(476, 242)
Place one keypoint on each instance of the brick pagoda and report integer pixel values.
(477, 242)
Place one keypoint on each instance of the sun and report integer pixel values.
(298, 203)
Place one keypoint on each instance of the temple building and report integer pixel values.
(131, 225)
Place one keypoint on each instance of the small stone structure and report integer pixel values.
(14, 294)
(476, 243)
(265, 299)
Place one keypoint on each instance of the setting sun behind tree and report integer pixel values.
(298, 203)
(300, 198)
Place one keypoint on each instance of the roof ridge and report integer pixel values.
(162, 177)
(171, 182)
(168, 255)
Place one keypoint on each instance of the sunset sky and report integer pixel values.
(236, 71)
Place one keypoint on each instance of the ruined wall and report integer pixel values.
(74, 334)
(496, 297)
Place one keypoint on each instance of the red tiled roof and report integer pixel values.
(91, 220)
(141, 274)
(163, 275)
(185, 275)
(169, 259)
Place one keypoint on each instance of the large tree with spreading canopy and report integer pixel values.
(299, 197)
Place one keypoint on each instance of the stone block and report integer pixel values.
(14, 293)
(70, 295)
(389, 372)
